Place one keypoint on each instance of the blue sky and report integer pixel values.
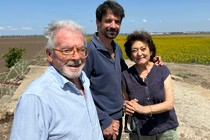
(29, 17)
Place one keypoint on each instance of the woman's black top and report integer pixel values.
(150, 92)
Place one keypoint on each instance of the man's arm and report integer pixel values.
(28, 120)
(157, 60)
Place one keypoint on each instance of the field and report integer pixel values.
(33, 46)
(180, 48)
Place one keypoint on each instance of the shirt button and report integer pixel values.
(148, 98)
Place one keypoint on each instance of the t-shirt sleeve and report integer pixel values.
(166, 72)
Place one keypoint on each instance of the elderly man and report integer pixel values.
(59, 104)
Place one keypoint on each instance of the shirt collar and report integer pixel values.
(99, 45)
(60, 79)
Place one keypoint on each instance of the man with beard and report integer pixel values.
(59, 104)
(103, 67)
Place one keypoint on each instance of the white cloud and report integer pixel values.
(132, 21)
(26, 28)
(144, 20)
(10, 28)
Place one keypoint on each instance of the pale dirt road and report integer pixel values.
(192, 104)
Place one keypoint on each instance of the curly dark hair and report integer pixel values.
(112, 6)
(140, 36)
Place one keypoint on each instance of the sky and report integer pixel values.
(30, 17)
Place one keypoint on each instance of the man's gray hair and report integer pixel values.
(50, 30)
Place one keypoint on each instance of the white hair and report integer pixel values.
(52, 27)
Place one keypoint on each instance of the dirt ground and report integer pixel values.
(193, 74)
(192, 103)
(33, 45)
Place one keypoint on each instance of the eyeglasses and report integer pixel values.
(83, 52)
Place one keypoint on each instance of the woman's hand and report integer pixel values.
(130, 107)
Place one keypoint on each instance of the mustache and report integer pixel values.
(112, 29)
(74, 63)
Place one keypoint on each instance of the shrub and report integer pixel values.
(13, 56)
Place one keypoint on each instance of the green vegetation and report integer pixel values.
(13, 56)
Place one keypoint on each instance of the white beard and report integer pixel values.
(74, 73)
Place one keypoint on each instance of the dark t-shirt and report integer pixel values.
(150, 92)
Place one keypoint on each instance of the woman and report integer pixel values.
(148, 91)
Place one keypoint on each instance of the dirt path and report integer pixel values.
(193, 110)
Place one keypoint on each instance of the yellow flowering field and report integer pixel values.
(179, 49)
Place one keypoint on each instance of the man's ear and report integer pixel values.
(49, 55)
